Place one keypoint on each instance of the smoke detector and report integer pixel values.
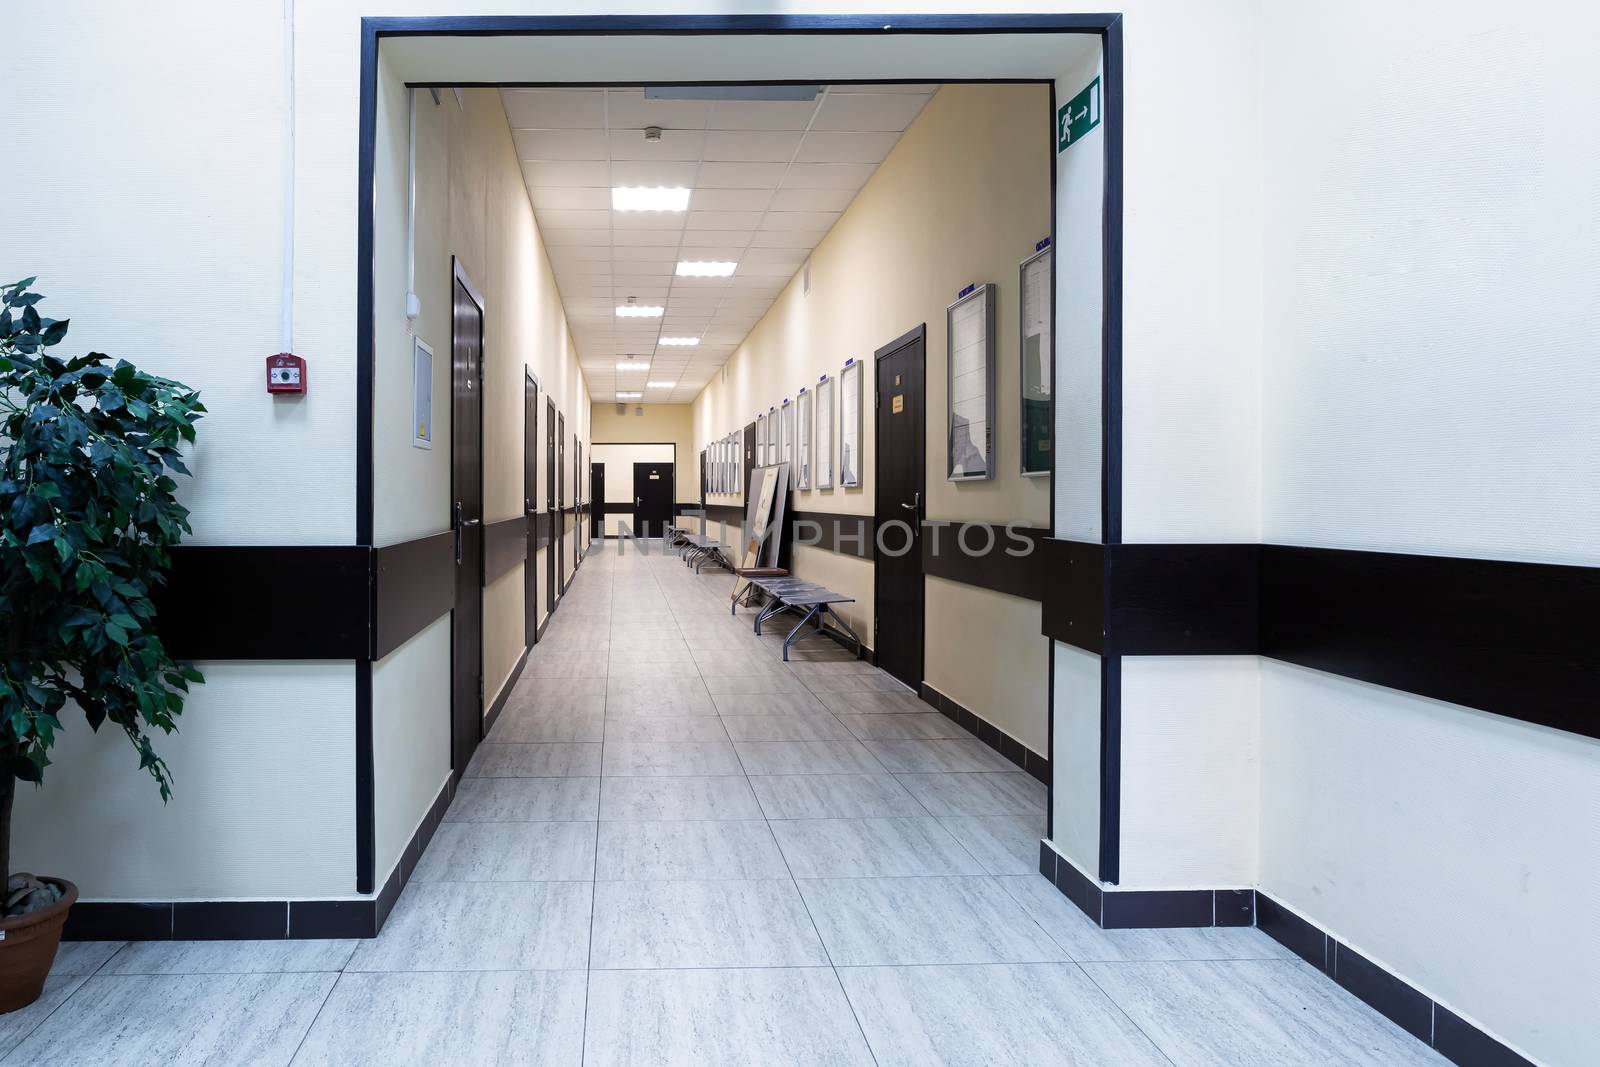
(652, 134)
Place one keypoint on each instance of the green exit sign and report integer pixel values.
(1078, 116)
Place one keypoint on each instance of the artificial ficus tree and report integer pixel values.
(88, 453)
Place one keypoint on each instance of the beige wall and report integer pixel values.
(669, 423)
(962, 198)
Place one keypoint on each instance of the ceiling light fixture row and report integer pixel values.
(633, 366)
(629, 396)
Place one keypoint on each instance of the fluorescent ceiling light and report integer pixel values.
(679, 341)
(629, 396)
(649, 198)
(731, 92)
(638, 311)
(660, 385)
(633, 366)
(692, 268)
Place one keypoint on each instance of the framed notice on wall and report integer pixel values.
(421, 395)
(761, 441)
(773, 430)
(1035, 283)
(824, 459)
(970, 325)
(804, 434)
(786, 420)
(850, 425)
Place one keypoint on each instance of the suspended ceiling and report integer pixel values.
(767, 179)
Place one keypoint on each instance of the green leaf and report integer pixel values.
(54, 332)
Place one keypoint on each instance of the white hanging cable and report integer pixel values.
(413, 304)
(288, 176)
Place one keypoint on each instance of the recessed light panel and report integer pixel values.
(649, 198)
(679, 341)
(700, 268)
(660, 385)
(629, 396)
(639, 311)
(633, 366)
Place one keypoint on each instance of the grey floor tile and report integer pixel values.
(649, 687)
(1255, 1013)
(766, 705)
(672, 728)
(541, 698)
(525, 800)
(915, 756)
(16, 1025)
(819, 726)
(1004, 844)
(623, 668)
(808, 671)
(703, 924)
(526, 728)
(556, 759)
(178, 1021)
(509, 852)
(644, 851)
(647, 759)
(482, 926)
(977, 792)
(997, 1015)
(230, 957)
(1084, 941)
(496, 1019)
(677, 799)
(821, 684)
(721, 1018)
(83, 957)
(806, 757)
(872, 702)
(929, 726)
(899, 921)
(721, 684)
(834, 796)
(635, 651)
(871, 848)
(578, 664)
(675, 702)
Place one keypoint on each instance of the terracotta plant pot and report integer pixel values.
(28, 948)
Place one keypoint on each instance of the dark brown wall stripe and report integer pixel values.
(848, 535)
(415, 584)
(541, 530)
(265, 602)
(983, 556)
(505, 544)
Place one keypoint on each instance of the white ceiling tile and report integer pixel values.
(556, 236)
(760, 114)
(567, 174)
(739, 175)
(674, 146)
(768, 270)
(806, 239)
(714, 253)
(837, 147)
(645, 238)
(730, 199)
(647, 220)
(635, 279)
(724, 220)
(598, 253)
(655, 173)
(630, 110)
(554, 109)
(560, 144)
(844, 110)
(552, 198)
(697, 239)
(800, 220)
(624, 254)
(925, 88)
(793, 257)
(812, 199)
(573, 220)
(828, 175)
(752, 146)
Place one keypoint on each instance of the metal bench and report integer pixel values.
(814, 601)
(702, 550)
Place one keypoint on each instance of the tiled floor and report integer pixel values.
(675, 849)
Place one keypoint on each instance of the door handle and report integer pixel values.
(916, 501)
(638, 501)
(461, 523)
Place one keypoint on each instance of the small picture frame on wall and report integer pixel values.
(824, 438)
(850, 425)
(421, 395)
(773, 435)
(969, 323)
(786, 420)
(1035, 285)
(804, 433)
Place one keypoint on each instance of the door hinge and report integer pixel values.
(480, 689)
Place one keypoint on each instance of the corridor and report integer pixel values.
(674, 849)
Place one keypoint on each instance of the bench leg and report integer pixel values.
(815, 611)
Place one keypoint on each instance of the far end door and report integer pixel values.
(552, 511)
(530, 490)
(899, 492)
(597, 496)
(561, 500)
(652, 498)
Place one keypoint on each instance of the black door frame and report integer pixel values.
(1105, 25)
(530, 506)
(458, 276)
(552, 506)
(561, 497)
(672, 491)
(916, 336)
(597, 497)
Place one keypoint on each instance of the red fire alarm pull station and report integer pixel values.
(286, 373)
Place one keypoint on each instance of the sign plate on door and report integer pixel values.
(899, 403)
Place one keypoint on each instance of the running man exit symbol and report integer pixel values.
(1078, 116)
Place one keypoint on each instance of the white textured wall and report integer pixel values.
(1075, 759)
(410, 737)
(1190, 771)
(1455, 847)
(263, 795)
